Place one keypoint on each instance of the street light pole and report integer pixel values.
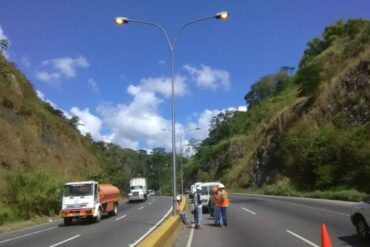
(124, 20)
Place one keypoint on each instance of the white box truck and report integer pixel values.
(138, 190)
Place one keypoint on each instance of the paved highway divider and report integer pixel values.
(162, 234)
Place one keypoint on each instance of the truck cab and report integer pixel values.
(138, 190)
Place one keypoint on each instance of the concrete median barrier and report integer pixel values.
(163, 233)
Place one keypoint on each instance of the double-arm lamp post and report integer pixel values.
(124, 20)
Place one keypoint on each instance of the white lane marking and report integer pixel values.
(249, 211)
(64, 241)
(152, 228)
(141, 208)
(28, 234)
(296, 204)
(302, 238)
(190, 239)
(123, 216)
(315, 208)
(149, 203)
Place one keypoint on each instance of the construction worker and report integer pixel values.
(212, 201)
(198, 207)
(193, 191)
(222, 202)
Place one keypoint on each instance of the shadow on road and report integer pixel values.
(353, 240)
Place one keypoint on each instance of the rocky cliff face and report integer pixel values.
(348, 93)
(352, 95)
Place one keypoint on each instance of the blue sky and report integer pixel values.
(116, 79)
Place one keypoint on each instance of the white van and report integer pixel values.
(206, 191)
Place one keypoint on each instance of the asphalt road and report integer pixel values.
(130, 224)
(276, 221)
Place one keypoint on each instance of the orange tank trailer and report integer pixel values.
(109, 195)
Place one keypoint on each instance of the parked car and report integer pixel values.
(360, 218)
(151, 192)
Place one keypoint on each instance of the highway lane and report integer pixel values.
(132, 221)
(279, 221)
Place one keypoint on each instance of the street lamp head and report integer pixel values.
(224, 15)
(121, 20)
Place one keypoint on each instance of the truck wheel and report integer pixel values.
(67, 221)
(97, 218)
(362, 229)
(114, 211)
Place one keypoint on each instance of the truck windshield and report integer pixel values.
(78, 190)
(205, 190)
(137, 187)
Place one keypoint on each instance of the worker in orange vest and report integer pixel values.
(212, 201)
(222, 202)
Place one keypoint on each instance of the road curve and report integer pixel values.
(264, 221)
(131, 222)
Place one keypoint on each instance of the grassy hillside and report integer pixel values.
(36, 135)
(308, 130)
(40, 150)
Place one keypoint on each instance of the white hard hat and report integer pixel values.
(221, 186)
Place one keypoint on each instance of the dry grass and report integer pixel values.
(12, 226)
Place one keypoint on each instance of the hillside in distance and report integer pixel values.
(34, 135)
(40, 149)
(305, 129)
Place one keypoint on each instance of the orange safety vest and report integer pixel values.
(224, 202)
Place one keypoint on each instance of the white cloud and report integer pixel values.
(56, 68)
(48, 77)
(206, 77)
(26, 61)
(88, 123)
(160, 85)
(239, 108)
(94, 86)
(139, 123)
(4, 37)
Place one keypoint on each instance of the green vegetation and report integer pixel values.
(310, 128)
(306, 133)
(40, 149)
(33, 192)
